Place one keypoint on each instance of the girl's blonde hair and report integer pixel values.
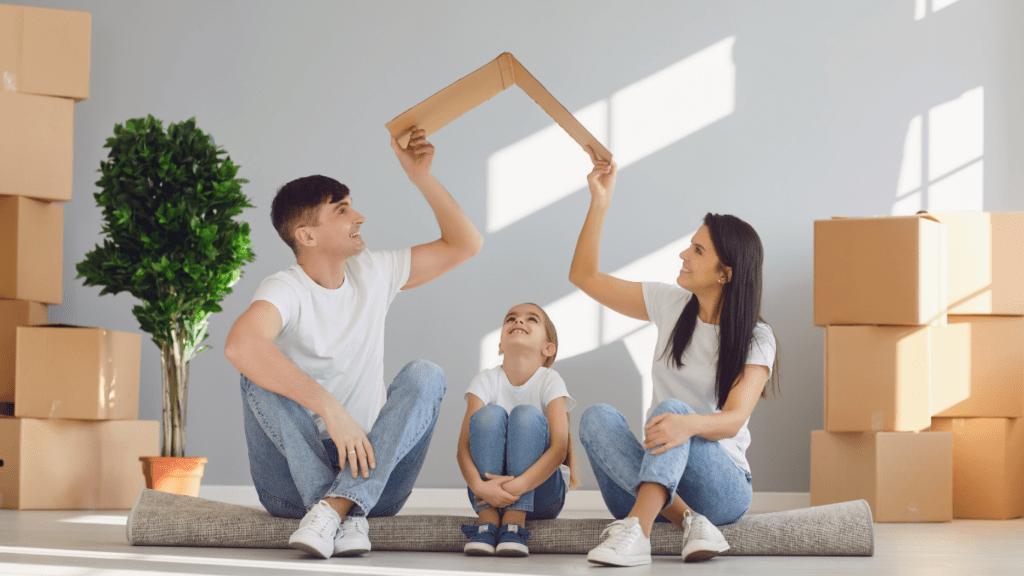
(570, 457)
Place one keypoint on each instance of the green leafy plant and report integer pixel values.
(169, 200)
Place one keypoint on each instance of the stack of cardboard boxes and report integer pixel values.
(69, 430)
(924, 365)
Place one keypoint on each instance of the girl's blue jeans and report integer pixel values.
(293, 468)
(699, 470)
(507, 444)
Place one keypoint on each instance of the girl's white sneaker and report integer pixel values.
(625, 545)
(701, 539)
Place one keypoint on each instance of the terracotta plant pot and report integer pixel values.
(174, 475)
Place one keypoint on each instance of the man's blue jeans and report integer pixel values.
(293, 468)
(506, 444)
(699, 470)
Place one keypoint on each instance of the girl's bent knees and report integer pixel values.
(526, 417)
(489, 417)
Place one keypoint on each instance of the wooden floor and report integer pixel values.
(93, 542)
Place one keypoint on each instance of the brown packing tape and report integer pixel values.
(476, 88)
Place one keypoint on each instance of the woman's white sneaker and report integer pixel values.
(316, 531)
(701, 539)
(353, 537)
(625, 545)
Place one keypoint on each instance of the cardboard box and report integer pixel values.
(36, 146)
(893, 378)
(985, 260)
(14, 313)
(73, 464)
(988, 466)
(31, 250)
(76, 373)
(904, 476)
(45, 51)
(882, 271)
(996, 368)
(476, 88)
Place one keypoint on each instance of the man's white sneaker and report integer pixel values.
(316, 531)
(353, 537)
(625, 545)
(701, 539)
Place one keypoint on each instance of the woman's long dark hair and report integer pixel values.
(739, 308)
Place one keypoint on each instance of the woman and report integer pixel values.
(712, 362)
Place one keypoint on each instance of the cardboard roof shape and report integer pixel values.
(473, 90)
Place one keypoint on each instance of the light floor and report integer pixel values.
(86, 543)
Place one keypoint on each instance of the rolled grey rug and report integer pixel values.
(162, 519)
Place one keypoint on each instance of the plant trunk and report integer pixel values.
(175, 384)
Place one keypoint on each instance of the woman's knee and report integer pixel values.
(427, 376)
(489, 417)
(596, 421)
(672, 406)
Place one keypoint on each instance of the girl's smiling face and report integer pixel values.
(524, 329)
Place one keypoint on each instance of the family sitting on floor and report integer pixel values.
(331, 444)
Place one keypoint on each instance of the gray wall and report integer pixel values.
(824, 94)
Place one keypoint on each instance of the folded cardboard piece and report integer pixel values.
(985, 262)
(44, 51)
(904, 476)
(73, 464)
(988, 466)
(14, 313)
(76, 373)
(883, 270)
(31, 249)
(995, 368)
(893, 378)
(473, 90)
(36, 146)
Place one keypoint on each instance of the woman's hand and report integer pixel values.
(352, 443)
(492, 492)
(602, 178)
(666, 431)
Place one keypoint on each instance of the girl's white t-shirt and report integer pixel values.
(492, 386)
(337, 336)
(694, 383)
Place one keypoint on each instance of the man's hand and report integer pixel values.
(666, 431)
(352, 443)
(417, 157)
(493, 494)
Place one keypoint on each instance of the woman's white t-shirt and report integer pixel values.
(492, 386)
(694, 382)
(337, 336)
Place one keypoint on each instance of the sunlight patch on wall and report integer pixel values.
(943, 166)
(636, 121)
(540, 169)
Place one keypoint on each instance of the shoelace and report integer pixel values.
(618, 535)
(348, 526)
(321, 524)
(693, 529)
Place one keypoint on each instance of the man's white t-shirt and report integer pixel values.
(492, 386)
(337, 336)
(694, 383)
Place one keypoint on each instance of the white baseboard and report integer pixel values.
(455, 498)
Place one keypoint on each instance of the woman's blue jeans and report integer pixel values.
(293, 468)
(506, 444)
(699, 470)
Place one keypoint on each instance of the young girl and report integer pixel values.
(515, 437)
(711, 364)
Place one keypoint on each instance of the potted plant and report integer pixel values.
(169, 200)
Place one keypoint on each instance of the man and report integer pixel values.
(328, 442)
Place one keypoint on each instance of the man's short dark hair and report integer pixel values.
(298, 203)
